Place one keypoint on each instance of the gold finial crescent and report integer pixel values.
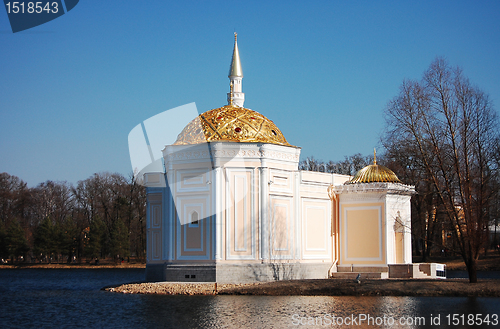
(235, 36)
(374, 156)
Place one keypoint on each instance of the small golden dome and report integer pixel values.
(374, 174)
(231, 123)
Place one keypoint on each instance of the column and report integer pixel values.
(264, 218)
(217, 178)
(171, 218)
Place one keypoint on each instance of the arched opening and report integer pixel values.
(194, 220)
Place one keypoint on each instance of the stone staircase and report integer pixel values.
(364, 275)
(367, 272)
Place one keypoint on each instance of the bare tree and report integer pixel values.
(137, 222)
(12, 193)
(349, 166)
(52, 200)
(14, 216)
(450, 127)
(425, 221)
(310, 164)
(115, 212)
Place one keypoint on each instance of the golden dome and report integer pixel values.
(374, 174)
(231, 123)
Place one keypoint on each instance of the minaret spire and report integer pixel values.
(230, 100)
(235, 96)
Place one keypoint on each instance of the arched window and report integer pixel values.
(399, 226)
(194, 220)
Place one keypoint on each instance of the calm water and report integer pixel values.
(72, 298)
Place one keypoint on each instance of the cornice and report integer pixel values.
(386, 188)
(227, 151)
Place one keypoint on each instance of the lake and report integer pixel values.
(72, 298)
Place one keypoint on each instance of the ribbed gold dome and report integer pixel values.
(375, 174)
(231, 123)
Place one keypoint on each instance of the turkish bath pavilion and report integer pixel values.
(232, 206)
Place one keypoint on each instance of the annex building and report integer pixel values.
(232, 206)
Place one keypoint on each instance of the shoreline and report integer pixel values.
(490, 262)
(312, 287)
(323, 287)
(57, 266)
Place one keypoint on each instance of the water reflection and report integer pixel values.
(72, 298)
(308, 311)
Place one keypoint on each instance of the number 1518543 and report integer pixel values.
(472, 319)
(21, 7)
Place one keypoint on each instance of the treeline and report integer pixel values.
(349, 166)
(102, 216)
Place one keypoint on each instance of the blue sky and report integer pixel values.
(72, 89)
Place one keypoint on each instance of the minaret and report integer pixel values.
(235, 96)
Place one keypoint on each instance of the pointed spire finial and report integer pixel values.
(235, 67)
(374, 156)
(236, 96)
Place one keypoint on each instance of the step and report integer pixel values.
(354, 275)
(361, 269)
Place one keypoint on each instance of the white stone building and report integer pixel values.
(237, 209)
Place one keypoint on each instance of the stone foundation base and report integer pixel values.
(393, 271)
(235, 273)
(418, 271)
(261, 272)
